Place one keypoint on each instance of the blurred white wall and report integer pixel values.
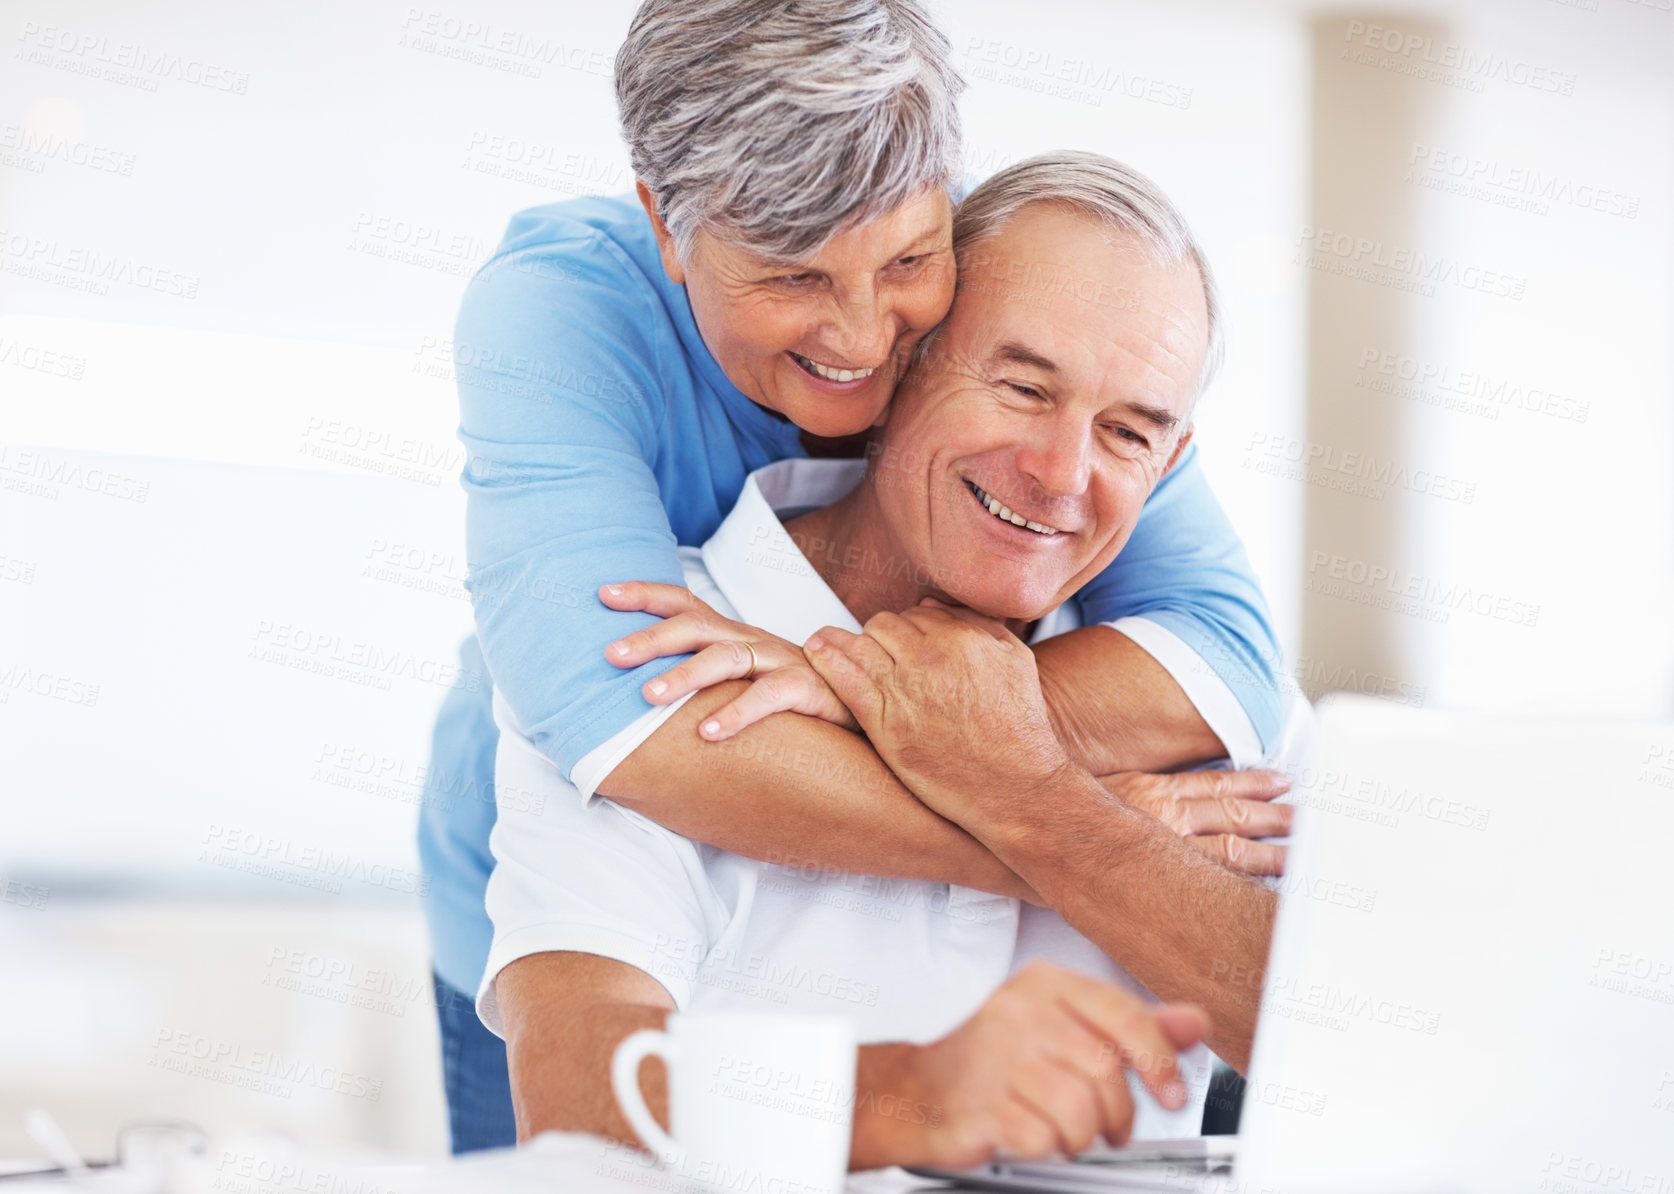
(1492, 274)
(232, 244)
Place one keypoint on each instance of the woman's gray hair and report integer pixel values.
(778, 123)
(1118, 196)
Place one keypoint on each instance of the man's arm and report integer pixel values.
(1038, 1068)
(603, 922)
(929, 689)
(1179, 922)
(564, 1014)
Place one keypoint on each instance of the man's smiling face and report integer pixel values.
(1056, 395)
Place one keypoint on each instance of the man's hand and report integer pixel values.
(1038, 1069)
(952, 704)
(1217, 812)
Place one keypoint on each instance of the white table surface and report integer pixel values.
(574, 1164)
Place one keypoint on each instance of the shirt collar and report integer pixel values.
(754, 561)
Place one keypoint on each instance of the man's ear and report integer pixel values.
(1185, 438)
(665, 242)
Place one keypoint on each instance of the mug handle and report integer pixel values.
(624, 1079)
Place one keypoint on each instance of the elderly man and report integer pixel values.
(1015, 461)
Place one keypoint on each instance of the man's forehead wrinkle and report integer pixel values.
(1175, 333)
(1018, 353)
(1167, 351)
(1147, 395)
(1140, 347)
(1077, 348)
(1155, 412)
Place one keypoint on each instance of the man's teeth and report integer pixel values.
(830, 374)
(999, 510)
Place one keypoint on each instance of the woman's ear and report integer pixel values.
(665, 242)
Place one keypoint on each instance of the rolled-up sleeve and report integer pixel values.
(1184, 569)
(589, 878)
(557, 355)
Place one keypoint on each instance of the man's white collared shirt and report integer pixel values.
(906, 960)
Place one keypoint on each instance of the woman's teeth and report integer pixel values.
(830, 374)
(999, 510)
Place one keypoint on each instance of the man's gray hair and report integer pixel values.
(1118, 196)
(777, 123)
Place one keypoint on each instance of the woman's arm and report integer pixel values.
(793, 788)
(562, 412)
(1115, 708)
(1185, 573)
(799, 792)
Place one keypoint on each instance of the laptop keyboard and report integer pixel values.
(1181, 1165)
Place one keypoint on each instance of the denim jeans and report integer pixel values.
(1225, 1104)
(474, 1076)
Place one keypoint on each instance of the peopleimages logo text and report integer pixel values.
(1478, 65)
(130, 56)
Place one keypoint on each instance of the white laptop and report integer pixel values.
(1472, 977)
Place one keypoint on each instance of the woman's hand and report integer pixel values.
(783, 681)
(1217, 812)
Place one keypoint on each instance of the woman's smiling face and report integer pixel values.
(823, 341)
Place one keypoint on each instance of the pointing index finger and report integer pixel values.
(1130, 1025)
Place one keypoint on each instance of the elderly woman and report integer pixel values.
(625, 363)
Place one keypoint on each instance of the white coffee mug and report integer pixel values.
(754, 1101)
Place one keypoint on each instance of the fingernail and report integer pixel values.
(711, 728)
(614, 590)
(814, 643)
(1282, 781)
(618, 648)
(658, 687)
